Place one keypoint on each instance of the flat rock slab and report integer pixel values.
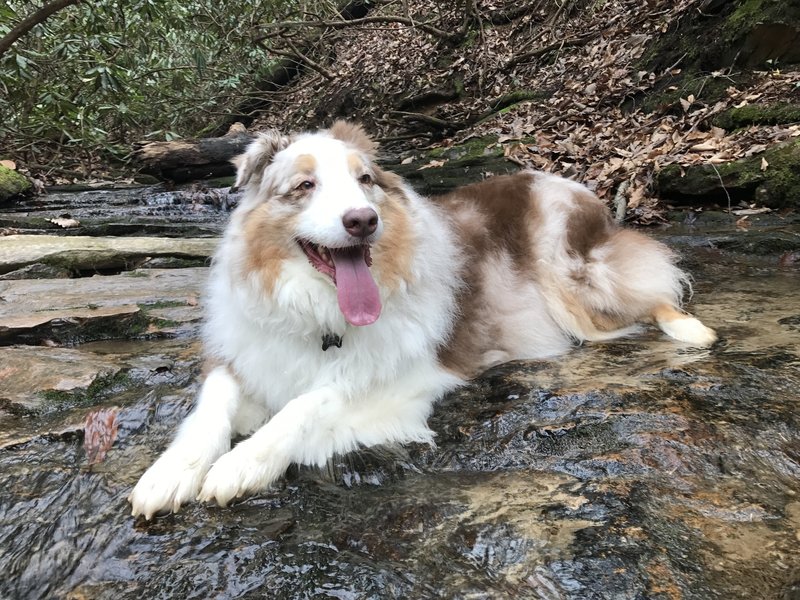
(84, 253)
(67, 311)
(48, 391)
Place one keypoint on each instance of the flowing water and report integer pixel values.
(635, 469)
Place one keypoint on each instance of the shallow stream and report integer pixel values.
(626, 470)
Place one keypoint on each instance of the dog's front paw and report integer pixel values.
(240, 472)
(170, 482)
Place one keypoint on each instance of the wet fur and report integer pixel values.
(520, 266)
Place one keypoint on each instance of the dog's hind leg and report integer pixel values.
(203, 437)
(682, 326)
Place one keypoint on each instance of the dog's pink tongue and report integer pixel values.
(357, 291)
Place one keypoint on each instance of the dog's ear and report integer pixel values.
(388, 181)
(259, 153)
(354, 135)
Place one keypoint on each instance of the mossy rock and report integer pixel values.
(750, 34)
(12, 184)
(463, 164)
(776, 186)
(773, 114)
(764, 32)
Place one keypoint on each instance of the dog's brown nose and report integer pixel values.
(360, 222)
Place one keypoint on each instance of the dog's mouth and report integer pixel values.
(356, 290)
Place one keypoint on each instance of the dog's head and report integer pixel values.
(319, 199)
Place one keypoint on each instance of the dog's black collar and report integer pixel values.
(331, 339)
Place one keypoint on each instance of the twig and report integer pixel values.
(401, 138)
(677, 62)
(529, 56)
(724, 189)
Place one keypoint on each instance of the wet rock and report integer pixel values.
(641, 468)
(138, 303)
(37, 271)
(46, 391)
(90, 254)
(30, 373)
(122, 211)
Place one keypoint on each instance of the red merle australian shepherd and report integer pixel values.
(341, 305)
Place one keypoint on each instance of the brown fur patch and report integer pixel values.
(267, 237)
(389, 182)
(355, 164)
(589, 224)
(490, 217)
(605, 321)
(505, 206)
(250, 165)
(306, 164)
(355, 136)
(667, 312)
(391, 256)
(209, 364)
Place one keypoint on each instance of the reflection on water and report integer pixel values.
(634, 469)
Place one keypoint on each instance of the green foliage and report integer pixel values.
(98, 75)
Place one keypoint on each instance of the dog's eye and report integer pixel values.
(306, 185)
(365, 179)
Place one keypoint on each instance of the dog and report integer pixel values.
(341, 304)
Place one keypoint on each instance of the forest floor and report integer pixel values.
(579, 90)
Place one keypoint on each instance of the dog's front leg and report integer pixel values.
(203, 437)
(309, 430)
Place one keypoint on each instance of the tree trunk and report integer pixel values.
(185, 160)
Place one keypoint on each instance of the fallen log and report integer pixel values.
(186, 160)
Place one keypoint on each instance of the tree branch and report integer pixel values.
(28, 23)
(298, 55)
(422, 118)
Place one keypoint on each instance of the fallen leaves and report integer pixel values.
(687, 103)
(100, 432)
(751, 211)
(585, 68)
(433, 164)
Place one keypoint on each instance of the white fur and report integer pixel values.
(689, 330)
(202, 438)
(301, 405)
(378, 388)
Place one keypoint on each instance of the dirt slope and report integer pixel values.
(605, 91)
